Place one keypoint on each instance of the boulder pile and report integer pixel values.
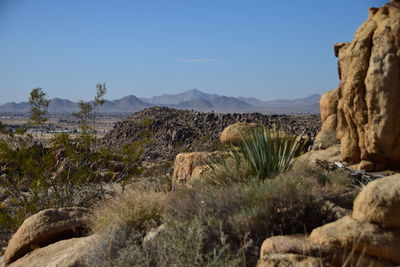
(370, 236)
(173, 131)
(52, 237)
(193, 165)
(189, 166)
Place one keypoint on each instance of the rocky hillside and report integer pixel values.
(173, 131)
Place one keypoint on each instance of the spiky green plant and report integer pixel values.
(267, 151)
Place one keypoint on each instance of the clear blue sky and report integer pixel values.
(260, 48)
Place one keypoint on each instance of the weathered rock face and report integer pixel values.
(189, 166)
(363, 237)
(46, 227)
(368, 237)
(369, 93)
(379, 202)
(309, 159)
(297, 250)
(64, 253)
(328, 105)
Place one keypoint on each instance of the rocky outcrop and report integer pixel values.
(44, 228)
(328, 105)
(379, 202)
(233, 134)
(173, 131)
(362, 237)
(308, 159)
(189, 166)
(65, 253)
(370, 236)
(297, 250)
(367, 112)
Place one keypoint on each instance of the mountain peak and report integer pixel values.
(191, 99)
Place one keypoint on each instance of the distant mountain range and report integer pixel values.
(192, 100)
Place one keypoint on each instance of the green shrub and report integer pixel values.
(223, 225)
(146, 123)
(35, 177)
(267, 152)
(209, 225)
(264, 153)
(3, 128)
(251, 210)
(34, 180)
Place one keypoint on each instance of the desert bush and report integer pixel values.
(132, 153)
(263, 153)
(222, 225)
(3, 128)
(32, 180)
(137, 209)
(181, 245)
(267, 151)
(221, 220)
(123, 221)
(212, 225)
(286, 197)
(69, 172)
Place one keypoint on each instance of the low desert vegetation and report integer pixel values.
(263, 154)
(250, 193)
(69, 172)
(267, 151)
(219, 220)
(65, 172)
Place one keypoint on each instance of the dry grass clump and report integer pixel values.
(137, 209)
(183, 244)
(123, 221)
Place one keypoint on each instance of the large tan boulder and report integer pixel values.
(328, 110)
(192, 165)
(362, 237)
(297, 250)
(290, 260)
(65, 253)
(327, 135)
(379, 202)
(369, 93)
(308, 159)
(297, 244)
(46, 227)
(370, 236)
(328, 104)
(233, 133)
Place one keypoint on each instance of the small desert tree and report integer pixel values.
(86, 115)
(40, 103)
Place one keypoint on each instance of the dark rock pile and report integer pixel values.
(173, 131)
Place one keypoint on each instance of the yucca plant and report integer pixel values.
(267, 151)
